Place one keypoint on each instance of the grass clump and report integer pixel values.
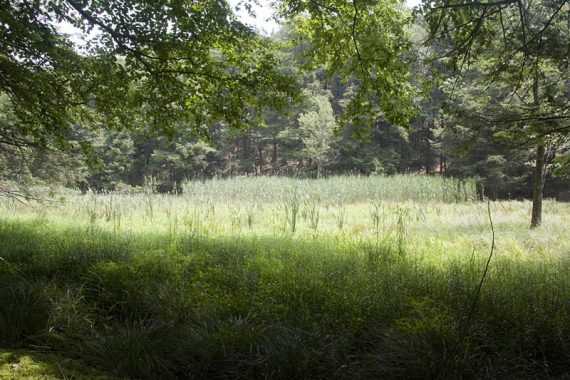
(25, 311)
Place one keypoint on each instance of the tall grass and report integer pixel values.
(227, 308)
(213, 287)
(340, 189)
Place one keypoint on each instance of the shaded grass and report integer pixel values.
(277, 307)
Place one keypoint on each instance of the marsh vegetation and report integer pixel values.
(374, 280)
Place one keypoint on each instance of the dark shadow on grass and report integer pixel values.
(276, 308)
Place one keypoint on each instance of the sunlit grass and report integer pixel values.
(28, 364)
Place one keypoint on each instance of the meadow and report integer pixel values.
(346, 277)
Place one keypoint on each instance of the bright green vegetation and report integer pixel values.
(334, 190)
(152, 286)
(27, 364)
(173, 90)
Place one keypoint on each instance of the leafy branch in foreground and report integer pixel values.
(365, 43)
(161, 64)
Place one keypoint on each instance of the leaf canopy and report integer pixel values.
(364, 42)
(160, 63)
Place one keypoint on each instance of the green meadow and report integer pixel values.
(345, 277)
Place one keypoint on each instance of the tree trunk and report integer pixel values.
(319, 166)
(427, 157)
(538, 180)
(538, 185)
(274, 154)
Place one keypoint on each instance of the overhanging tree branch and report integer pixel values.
(474, 4)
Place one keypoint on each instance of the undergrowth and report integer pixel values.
(140, 306)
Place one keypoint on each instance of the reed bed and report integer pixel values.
(338, 189)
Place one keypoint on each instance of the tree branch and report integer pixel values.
(355, 39)
(474, 4)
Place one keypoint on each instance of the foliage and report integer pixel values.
(147, 63)
(336, 189)
(364, 42)
(317, 124)
(519, 50)
(457, 131)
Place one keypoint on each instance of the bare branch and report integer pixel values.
(474, 4)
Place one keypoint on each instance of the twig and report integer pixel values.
(465, 327)
(355, 39)
(474, 4)
(477, 293)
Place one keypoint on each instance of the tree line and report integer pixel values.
(173, 90)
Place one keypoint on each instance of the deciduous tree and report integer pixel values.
(522, 50)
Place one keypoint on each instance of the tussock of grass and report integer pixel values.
(254, 307)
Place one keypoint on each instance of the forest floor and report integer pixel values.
(304, 286)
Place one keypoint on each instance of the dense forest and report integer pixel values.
(466, 114)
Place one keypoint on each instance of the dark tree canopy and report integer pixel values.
(150, 78)
(160, 63)
(520, 50)
(516, 44)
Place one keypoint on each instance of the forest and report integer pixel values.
(371, 189)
